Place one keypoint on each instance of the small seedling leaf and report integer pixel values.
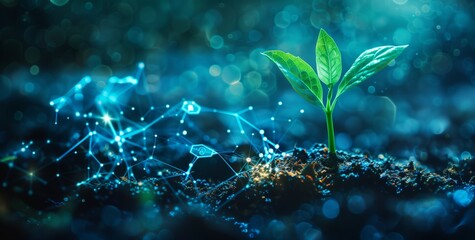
(300, 75)
(368, 63)
(328, 59)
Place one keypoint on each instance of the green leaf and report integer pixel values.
(328, 59)
(300, 75)
(368, 63)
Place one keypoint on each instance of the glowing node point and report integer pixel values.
(106, 118)
(117, 138)
(248, 159)
(202, 151)
(280, 103)
(141, 65)
(261, 131)
(191, 108)
(277, 146)
(302, 111)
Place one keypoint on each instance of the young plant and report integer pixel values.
(307, 84)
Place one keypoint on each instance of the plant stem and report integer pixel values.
(329, 118)
(331, 133)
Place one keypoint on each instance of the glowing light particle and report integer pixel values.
(191, 108)
(106, 118)
(202, 151)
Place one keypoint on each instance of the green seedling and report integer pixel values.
(307, 84)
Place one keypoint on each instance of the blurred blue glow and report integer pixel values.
(356, 204)
(343, 141)
(216, 42)
(370, 232)
(331, 209)
(463, 198)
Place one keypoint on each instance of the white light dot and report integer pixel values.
(106, 118)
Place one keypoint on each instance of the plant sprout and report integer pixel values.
(307, 84)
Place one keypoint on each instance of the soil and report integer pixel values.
(301, 195)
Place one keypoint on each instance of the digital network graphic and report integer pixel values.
(109, 134)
